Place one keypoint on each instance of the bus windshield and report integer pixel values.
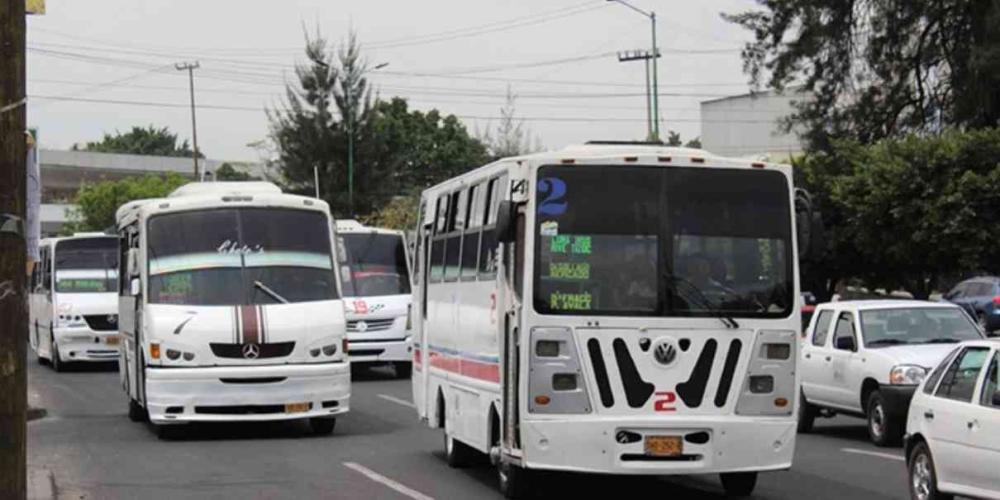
(376, 265)
(240, 256)
(653, 241)
(86, 265)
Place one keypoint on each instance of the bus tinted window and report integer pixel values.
(377, 264)
(452, 264)
(663, 241)
(240, 256)
(437, 260)
(87, 253)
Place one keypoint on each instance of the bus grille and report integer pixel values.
(369, 325)
(235, 351)
(102, 322)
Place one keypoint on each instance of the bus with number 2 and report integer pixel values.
(610, 308)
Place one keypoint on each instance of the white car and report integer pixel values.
(865, 358)
(953, 429)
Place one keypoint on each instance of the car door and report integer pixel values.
(843, 356)
(816, 359)
(983, 432)
(949, 416)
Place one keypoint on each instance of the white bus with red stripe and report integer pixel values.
(375, 273)
(624, 309)
(230, 308)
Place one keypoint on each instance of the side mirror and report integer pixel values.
(132, 264)
(845, 344)
(505, 222)
(134, 287)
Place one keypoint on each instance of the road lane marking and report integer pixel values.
(873, 454)
(391, 483)
(398, 401)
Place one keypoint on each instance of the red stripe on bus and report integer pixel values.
(251, 328)
(489, 372)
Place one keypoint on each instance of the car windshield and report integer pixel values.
(663, 242)
(240, 256)
(86, 265)
(916, 325)
(375, 265)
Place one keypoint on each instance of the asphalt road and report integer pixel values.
(86, 448)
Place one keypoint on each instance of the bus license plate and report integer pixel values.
(664, 446)
(113, 340)
(296, 407)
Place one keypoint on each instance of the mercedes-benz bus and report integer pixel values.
(620, 309)
(375, 276)
(230, 308)
(73, 301)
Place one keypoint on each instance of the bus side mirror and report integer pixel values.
(505, 222)
(132, 263)
(134, 287)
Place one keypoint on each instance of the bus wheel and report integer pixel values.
(136, 412)
(403, 369)
(807, 415)
(322, 426)
(739, 484)
(514, 481)
(457, 453)
(54, 359)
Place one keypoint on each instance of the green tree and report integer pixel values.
(674, 138)
(97, 203)
(227, 172)
(878, 69)
(141, 141)
(400, 213)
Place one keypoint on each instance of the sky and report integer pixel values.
(99, 66)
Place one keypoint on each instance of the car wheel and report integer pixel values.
(136, 412)
(807, 414)
(322, 426)
(403, 369)
(739, 484)
(923, 477)
(54, 360)
(883, 430)
(515, 482)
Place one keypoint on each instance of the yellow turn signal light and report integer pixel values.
(542, 400)
(154, 351)
(780, 402)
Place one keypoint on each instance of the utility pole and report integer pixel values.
(190, 67)
(351, 98)
(652, 132)
(13, 252)
(655, 50)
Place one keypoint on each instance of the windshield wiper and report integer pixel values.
(943, 340)
(704, 301)
(274, 295)
(885, 342)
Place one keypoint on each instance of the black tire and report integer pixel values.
(922, 475)
(404, 369)
(738, 484)
(136, 412)
(515, 482)
(55, 361)
(883, 429)
(322, 426)
(458, 454)
(807, 415)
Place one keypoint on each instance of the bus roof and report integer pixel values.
(225, 188)
(347, 226)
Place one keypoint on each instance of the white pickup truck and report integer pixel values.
(866, 358)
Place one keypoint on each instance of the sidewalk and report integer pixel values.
(41, 484)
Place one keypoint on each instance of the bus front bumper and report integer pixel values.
(256, 393)
(84, 344)
(380, 351)
(734, 444)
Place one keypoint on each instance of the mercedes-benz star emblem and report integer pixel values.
(665, 352)
(362, 326)
(251, 351)
(113, 319)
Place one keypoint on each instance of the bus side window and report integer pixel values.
(488, 243)
(123, 245)
(47, 269)
(437, 246)
(456, 223)
(470, 245)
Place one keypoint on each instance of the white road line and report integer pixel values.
(391, 483)
(396, 400)
(873, 454)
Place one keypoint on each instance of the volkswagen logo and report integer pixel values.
(251, 351)
(664, 351)
(362, 326)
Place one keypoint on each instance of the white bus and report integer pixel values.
(619, 309)
(375, 277)
(230, 308)
(73, 301)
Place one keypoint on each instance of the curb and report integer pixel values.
(41, 484)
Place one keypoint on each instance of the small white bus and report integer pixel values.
(73, 301)
(623, 309)
(230, 308)
(375, 276)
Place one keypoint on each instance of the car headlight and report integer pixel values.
(907, 375)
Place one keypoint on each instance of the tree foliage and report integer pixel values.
(400, 213)
(396, 149)
(878, 69)
(226, 172)
(906, 213)
(97, 203)
(141, 141)
(510, 137)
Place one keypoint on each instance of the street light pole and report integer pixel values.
(350, 141)
(655, 55)
(190, 67)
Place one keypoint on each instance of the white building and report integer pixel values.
(748, 125)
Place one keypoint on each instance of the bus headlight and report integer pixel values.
(907, 375)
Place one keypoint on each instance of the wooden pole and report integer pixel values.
(13, 251)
